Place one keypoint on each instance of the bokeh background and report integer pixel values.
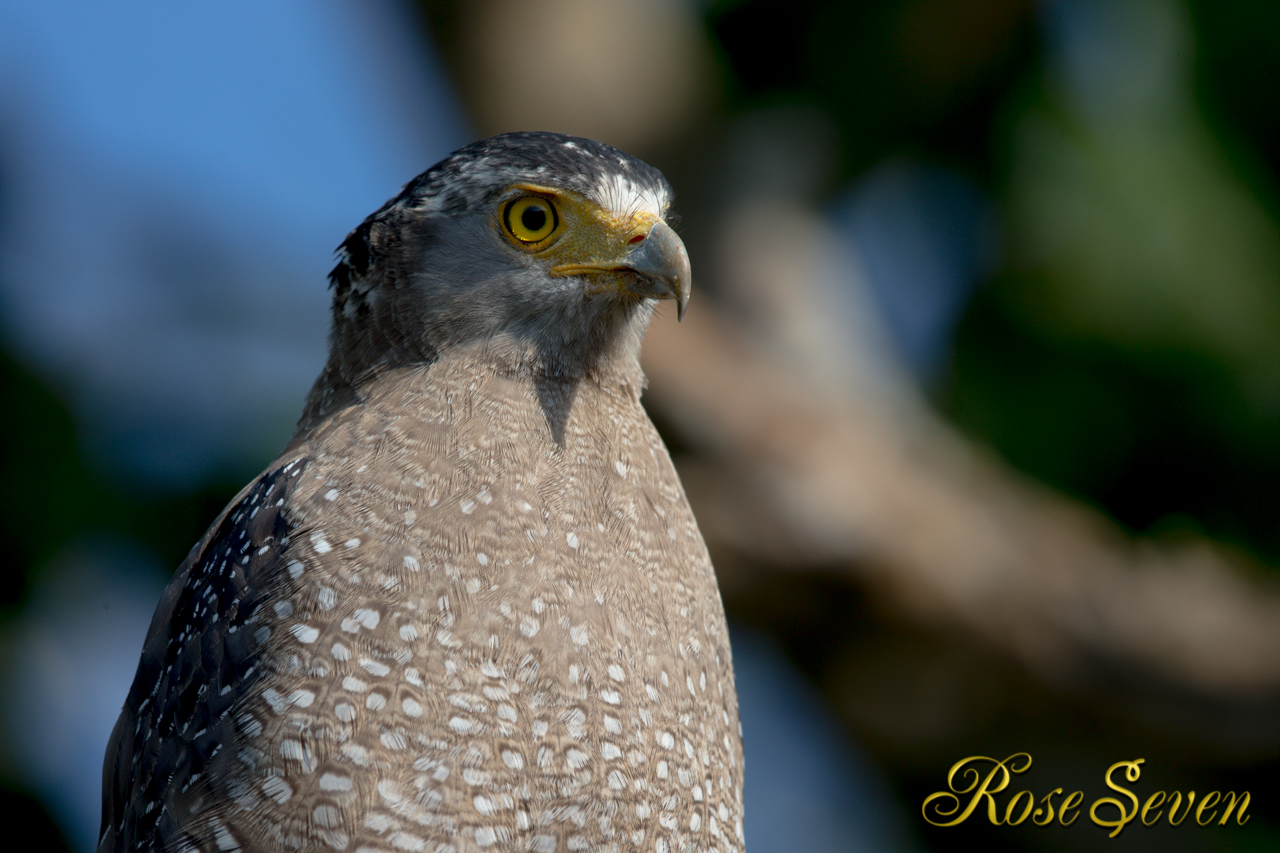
(978, 398)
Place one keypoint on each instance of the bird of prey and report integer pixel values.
(468, 607)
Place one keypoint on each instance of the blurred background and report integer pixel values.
(978, 399)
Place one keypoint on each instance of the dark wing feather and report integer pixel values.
(198, 659)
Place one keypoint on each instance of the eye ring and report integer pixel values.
(531, 219)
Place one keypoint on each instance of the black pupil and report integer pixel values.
(533, 218)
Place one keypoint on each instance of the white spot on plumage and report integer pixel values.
(374, 667)
(335, 782)
(363, 617)
(356, 754)
(327, 816)
(277, 789)
(249, 725)
(225, 840)
(273, 698)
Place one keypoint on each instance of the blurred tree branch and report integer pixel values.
(946, 532)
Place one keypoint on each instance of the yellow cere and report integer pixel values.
(573, 232)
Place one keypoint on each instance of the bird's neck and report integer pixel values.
(607, 356)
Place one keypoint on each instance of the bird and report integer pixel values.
(468, 607)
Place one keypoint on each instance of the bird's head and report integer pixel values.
(547, 249)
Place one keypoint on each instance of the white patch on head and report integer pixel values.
(625, 199)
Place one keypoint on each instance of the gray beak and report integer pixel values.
(662, 269)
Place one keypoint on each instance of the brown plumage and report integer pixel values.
(468, 607)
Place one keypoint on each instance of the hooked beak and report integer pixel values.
(656, 267)
(661, 267)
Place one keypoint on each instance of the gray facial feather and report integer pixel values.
(429, 271)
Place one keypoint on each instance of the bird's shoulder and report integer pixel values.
(199, 654)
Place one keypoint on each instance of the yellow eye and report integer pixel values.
(531, 219)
